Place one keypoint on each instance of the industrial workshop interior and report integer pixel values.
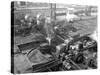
(51, 37)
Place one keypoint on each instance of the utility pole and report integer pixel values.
(49, 26)
(53, 11)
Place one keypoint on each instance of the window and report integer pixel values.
(22, 4)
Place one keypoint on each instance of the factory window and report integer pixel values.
(22, 4)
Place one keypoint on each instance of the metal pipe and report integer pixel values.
(74, 64)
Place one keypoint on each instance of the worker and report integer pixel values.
(38, 18)
(70, 16)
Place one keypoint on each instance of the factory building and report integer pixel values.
(49, 37)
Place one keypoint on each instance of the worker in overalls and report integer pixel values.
(27, 25)
(38, 18)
